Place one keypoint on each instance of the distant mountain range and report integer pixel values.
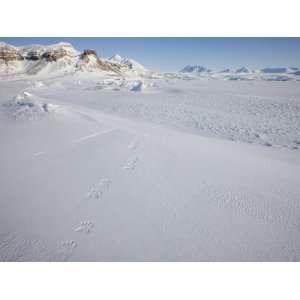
(198, 69)
(195, 69)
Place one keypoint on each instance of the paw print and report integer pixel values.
(85, 227)
(131, 163)
(97, 191)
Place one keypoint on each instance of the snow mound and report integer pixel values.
(26, 106)
(137, 86)
(120, 85)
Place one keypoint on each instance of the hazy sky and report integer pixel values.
(172, 54)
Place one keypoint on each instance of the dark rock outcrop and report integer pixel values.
(8, 53)
(33, 55)
(87, 52)
(54, 55)
(90, 56)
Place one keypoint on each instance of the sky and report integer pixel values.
(172, 54)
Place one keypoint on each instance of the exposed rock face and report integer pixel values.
(127, 63)
(49, 53)
(8, 53)
(33, 55)
(91, 61)
(54, 55)
(89, 52)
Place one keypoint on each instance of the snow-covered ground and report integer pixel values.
(181, 168)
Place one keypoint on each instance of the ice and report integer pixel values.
(25, 106)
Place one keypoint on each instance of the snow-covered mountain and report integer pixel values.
(195, 69)
(50, 52)
(243, 73)
(116, 58)
(225, 71)
(284, 70)
(61, 58)
(130, 63)
(243, 70)
(201, 69)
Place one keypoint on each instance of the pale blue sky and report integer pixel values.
(172, 54)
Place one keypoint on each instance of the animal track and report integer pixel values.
(104, 183)
(69, 245)
(97, 191)
(94, 194)
(85, 227)
(131, 163)
(133, 145)
(67, 249)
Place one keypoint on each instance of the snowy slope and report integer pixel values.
(181, 170)
(116, 58)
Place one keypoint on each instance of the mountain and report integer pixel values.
(243, 70)
(8, 52)
(50, 53)
(61, 58)
(225, 71)
(89, 61)
(116, 58)
(132, 64)
(279, 70)
(128, 62)
(195, 69)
